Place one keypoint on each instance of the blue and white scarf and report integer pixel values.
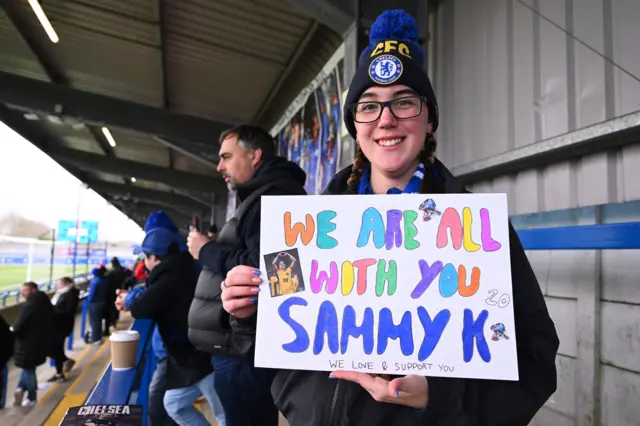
(413, 187)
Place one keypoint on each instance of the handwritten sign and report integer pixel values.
(387, 284)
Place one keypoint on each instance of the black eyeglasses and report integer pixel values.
(401, 108)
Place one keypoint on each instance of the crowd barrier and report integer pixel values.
(47, 287)
(131, 387)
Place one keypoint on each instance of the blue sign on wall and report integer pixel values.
(87, 232)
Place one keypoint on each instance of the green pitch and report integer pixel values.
(14, 275)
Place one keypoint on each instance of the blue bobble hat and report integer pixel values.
(157, 241)
(159, 219)
(392, 57)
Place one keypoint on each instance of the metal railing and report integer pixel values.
(129, 386)
(43, 261)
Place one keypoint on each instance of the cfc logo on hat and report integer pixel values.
(385, 69)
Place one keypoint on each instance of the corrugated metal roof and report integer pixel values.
(241, 27)
(207, 82)
(108, 177)
(139, 147)
(141, 9)
(15, 55)
(107, 52)
(153, 185)
(321, 46)
(77, 137)
(220, 60)
(187, 164)
(226, 68)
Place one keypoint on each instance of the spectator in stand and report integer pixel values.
(6, 352)
(212, 233)
(32, 330)
(97, 298)
(65, 303)
(250, 166)
(140, 273)
(391, 110)
(156, 413)
(116, 276)
(118, 273)
(167, 298)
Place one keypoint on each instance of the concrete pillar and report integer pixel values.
(588, 328)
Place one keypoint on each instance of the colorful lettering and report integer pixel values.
(301, 342)
(448, 281)
(388, 330)
(291, 233)
(471, 289)
(467, 220)
(347, 278)
(351, 329)
(393, 229)
(325, 226)
(488, 243)
(371, 223)
(428, 273)
(451, 221)
(362, 266)
(318, 278)
(432, 331)
(474, 331)
(383, 276)
(410, 230)
(327, 324)
(337, 338)
(390, 46)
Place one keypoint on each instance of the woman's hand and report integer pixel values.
(412, 391)
(240, 291)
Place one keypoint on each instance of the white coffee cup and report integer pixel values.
(124, 346)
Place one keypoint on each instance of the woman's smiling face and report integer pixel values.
(390, 144)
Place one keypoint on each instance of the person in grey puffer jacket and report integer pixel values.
(250, 166)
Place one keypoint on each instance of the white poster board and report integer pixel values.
(387, 284)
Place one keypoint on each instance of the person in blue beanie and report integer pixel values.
(392, 113)
(179, 378)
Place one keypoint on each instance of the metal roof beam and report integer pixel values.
(327, 13)
(146, 194)
(302, 46)
(140, 211)
(56, 99)
(199, 156)
(33, 35)
(101, 164)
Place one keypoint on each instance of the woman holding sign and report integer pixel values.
(391, 111)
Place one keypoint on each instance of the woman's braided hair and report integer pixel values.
(430, 185)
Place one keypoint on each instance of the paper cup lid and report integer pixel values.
(124, 336)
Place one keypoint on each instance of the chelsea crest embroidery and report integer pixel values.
(385, 69)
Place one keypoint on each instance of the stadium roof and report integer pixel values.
(133, 96)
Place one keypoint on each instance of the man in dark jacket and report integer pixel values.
(65, 303)
(116, 277)
(250, 167)
(170, 288)
(6, 352)
(32, 330)
(97, 299)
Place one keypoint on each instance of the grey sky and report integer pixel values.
(35, 186)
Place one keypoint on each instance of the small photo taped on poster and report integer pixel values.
(283, 270)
